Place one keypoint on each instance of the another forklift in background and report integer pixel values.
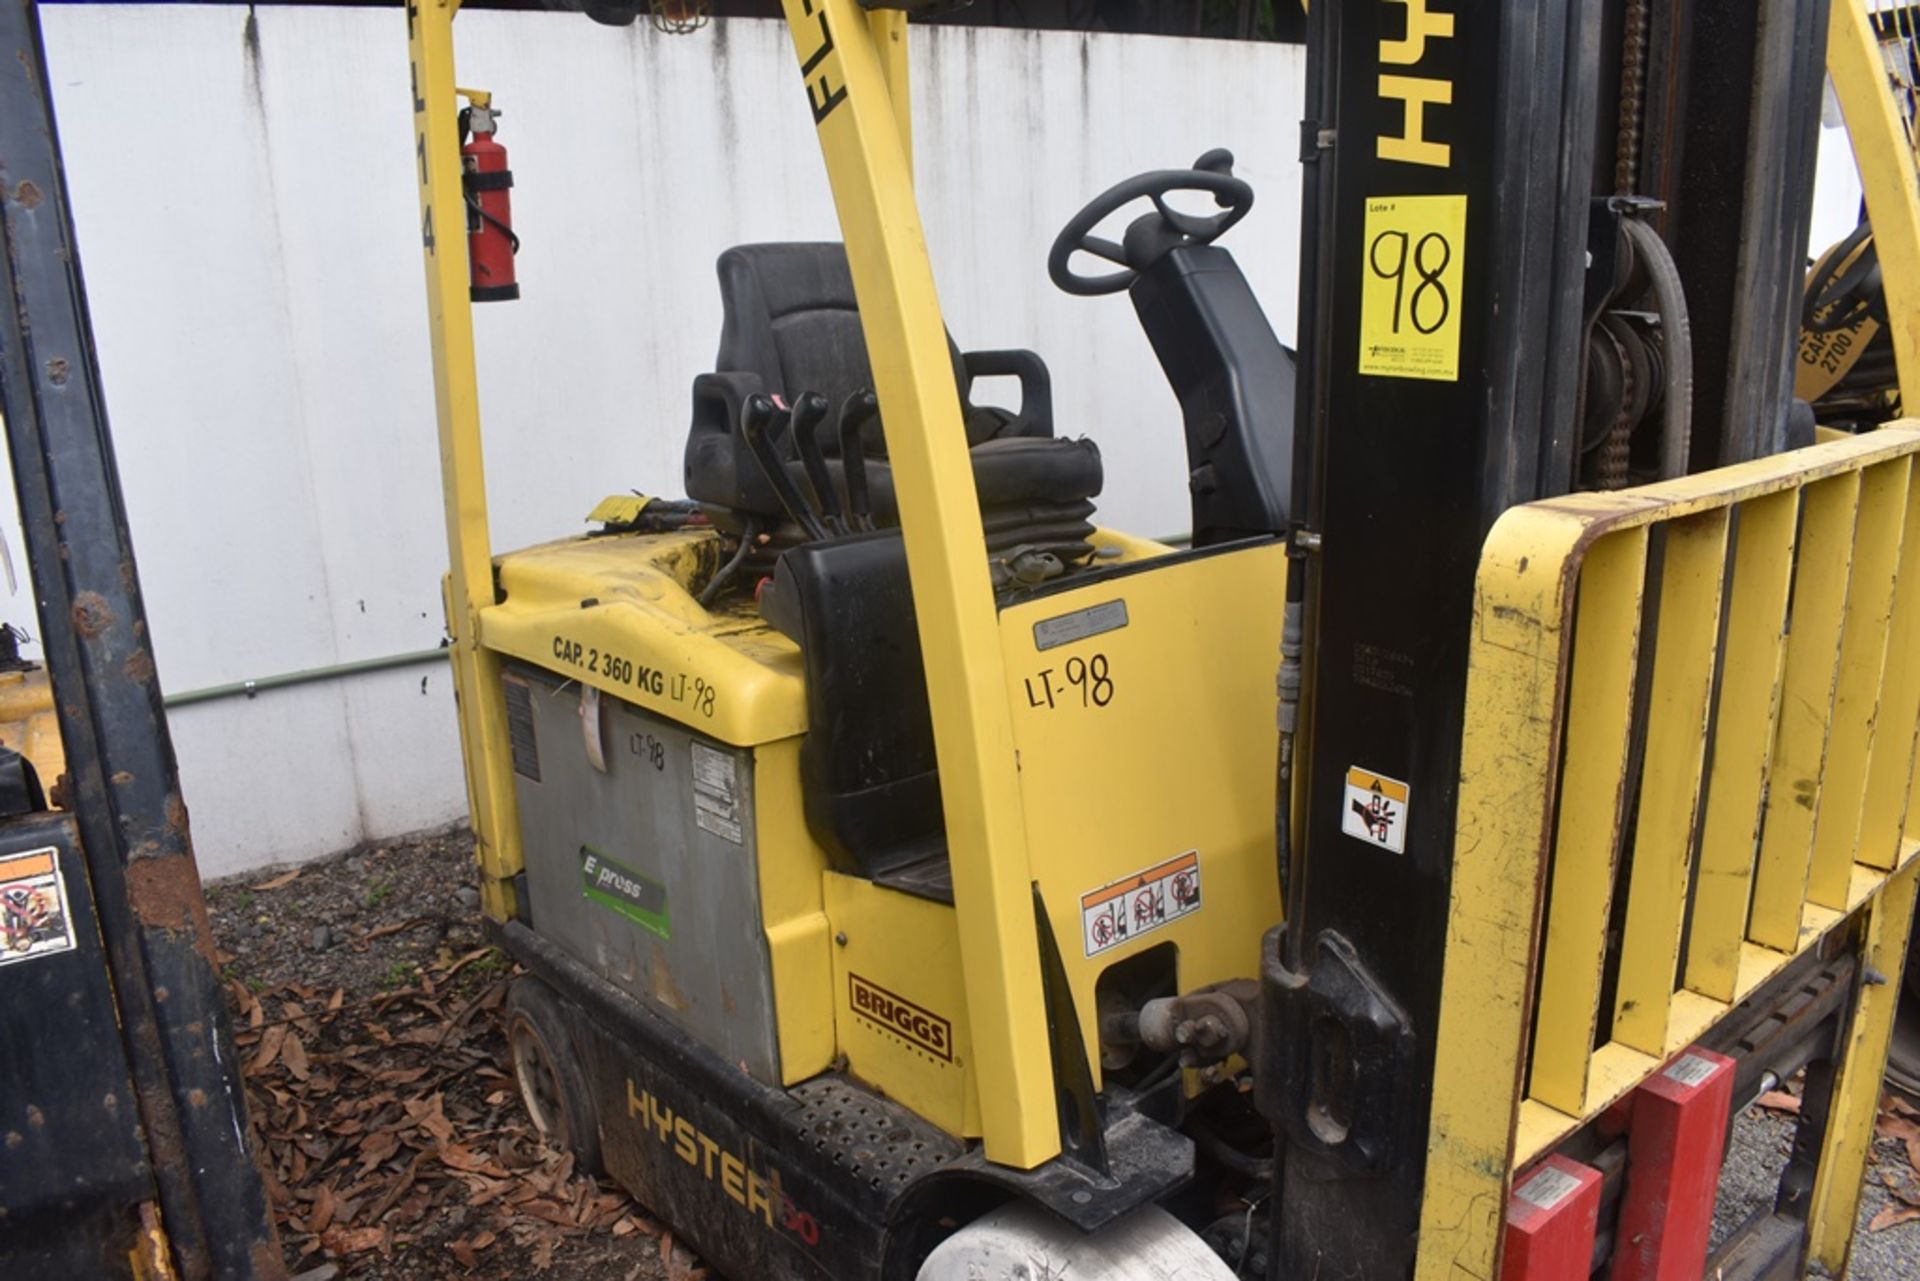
(898, 856)
(126, 1149)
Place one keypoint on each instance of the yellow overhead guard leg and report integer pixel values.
(854, 71)
(443, 243)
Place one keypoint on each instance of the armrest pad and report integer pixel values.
(1036, 385)
(718, 398)
(717, 467)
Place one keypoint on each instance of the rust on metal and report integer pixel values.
(165, 894)
(91, 614)
(27, 195)
(139, 666)
(59, 369)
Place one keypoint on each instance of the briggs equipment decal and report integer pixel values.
(1126, 909)
(33, 907)
(900, 1017)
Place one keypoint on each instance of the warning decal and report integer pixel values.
(1548, 1188)
(1375, 809)
(33, 906)
(1128, 908)
(716, 786)
(1410, 286)
(1689, 1069)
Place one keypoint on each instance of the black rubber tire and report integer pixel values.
(552, 1084)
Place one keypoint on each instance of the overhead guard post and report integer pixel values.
(443, 241)
(855, 89)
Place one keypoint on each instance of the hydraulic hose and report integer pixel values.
(1676, 429)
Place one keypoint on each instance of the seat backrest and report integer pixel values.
(790, 318)
(869, 781)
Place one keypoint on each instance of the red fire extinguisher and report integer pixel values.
(488, 183)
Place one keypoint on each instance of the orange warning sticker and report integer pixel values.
(1137, 904)
(1375, 809)
(34, 920)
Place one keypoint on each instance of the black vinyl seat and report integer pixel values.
(869, 782)
(791, 325)
(868, 778)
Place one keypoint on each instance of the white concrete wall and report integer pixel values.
(243, 186)
(1836, 186)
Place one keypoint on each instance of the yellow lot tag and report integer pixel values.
(1375, 810)
(1410, 287)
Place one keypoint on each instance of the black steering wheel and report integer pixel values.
(1212, 173)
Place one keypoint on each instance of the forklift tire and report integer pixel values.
(552, 1087)
(1147, 1244)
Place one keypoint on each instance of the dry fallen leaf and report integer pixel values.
(380, 1113)
(458, 1156)
(270, 1043)
(344, 1240)
(1893, 1216)
(1776, 1101)
(293, 1056)
(323, 1210)
(280, 881)
(377, 1148)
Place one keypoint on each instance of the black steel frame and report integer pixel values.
(122, 786)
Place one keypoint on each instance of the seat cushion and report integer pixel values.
(1018, 471)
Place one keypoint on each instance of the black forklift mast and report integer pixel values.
(121, 1102)
(1460, 179)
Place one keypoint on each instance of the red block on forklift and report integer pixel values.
(1674, 1147)
(1551, 1219)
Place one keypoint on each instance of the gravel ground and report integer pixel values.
(1757, 1154)
(372, 953)
(368, 1011)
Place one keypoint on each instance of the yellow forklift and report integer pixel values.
(1409, 875)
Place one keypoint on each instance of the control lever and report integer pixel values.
(808, 412)
(757, 418)
(855, 412)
